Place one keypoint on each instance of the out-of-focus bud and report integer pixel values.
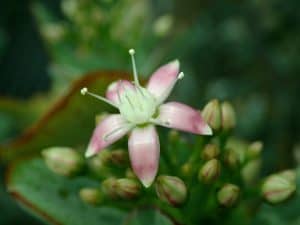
(210, 151)
(63, 160)
(118, 157)
(91, 196)
(289, 175)
(100, 117)
(171, 190)
(70, 7)
(228, 116)
(212, 114)
(109, 187)
(163, 25)
(53, 32)
(251, 171)
(276, 188)
(173, 135)
(254, 150)
(228, 195)
(231, 158)
(210, 171)
(98, 164)
(128, 188)
(186, 169)
(130, 174)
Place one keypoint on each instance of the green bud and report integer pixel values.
(127, 188)
(171, 190)
(91, 196)
(289, 175)
(251, 171)
(118, 157)
(130, 174)
(98, 163)
(186, 169)
(212, 114)
(210, 171)
(228, 116)
(228, 195)
(163, 25)
(231, 158)
(63, 160)
(109, 187)
(254, 149)
(210, 151)
(276, 188)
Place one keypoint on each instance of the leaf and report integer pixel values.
(286, 213)
(146, 217)
(68, 122)
(54, 198)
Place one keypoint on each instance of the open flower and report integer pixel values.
(140, 109)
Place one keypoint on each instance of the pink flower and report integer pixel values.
(140, 109)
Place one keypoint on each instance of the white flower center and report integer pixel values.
(137, 105)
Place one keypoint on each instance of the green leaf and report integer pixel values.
(146, 217)
(68, 122)
(54, 198)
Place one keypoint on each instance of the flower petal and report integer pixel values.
(163, 79)
(144, 150)
(116, 89)
(182, 117)
(110, 129)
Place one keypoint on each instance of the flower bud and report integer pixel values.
(118, 157)
(254, 149)
(91, 196)
(212, 114)
(210, 171)
(109, 187)
(289, 175)
(276, 188)
(251, 171)
(127, 188)
(130, 174)
(228, 195)
(210, 151)
(63, 160)
(163, 25)
(98, 163)
(228, 116)
(171, 190)
(231, 158)
(186, 169)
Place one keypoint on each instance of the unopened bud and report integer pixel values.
(130, 174)
(63, 160)
(109, 187)
(276, 188)
(171, 190)
(118, 157)
(289, 175)
(98, 163)
(251, 171)
(210, 171)
(127, 188)
(212, 114)
(186, 169)
(228, 116)
(228, 195)
(91, 196)
(210, 151)
(254, 149)
(231, 158)
(163, 25)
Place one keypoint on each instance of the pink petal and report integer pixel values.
(143, 147)
(110, 129)
(182, 117)
(163, 79)
(117, 88)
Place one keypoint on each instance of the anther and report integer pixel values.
(131, 51)
(84, 91)
(180, 75)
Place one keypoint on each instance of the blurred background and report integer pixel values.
(245, 51)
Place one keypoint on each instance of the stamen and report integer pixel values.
(85, 91)
(135, 75)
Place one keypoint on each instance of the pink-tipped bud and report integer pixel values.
(228, 195)
(277, 188)
(171, 189)
(228, 116)
(212, 114)
(91, 196)
(63, 160)
(210, 171)
(210, 151)
(128, 188)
